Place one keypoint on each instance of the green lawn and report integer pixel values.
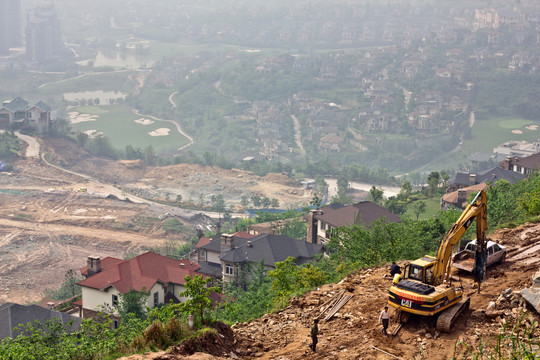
(117, 122)
(487, 134)
(433, 206)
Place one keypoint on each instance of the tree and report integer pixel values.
(376, 195)
(198, 293)
(244, 201)
(265, 202)
(321, 186)
(316, 201)
(395, 205)
(218, 203)
(433, 182)
(133, 303)
(82, 138)
(149, 155)
(274, 203)
(256, 200)
(418, 208)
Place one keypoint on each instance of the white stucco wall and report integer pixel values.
(94, 299)
(213, 257)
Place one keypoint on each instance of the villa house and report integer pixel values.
(459, 199)
(268, 248)
(525, 165)
(322, 221)
(19, 113)
(106, 279)
(493, 175)
(225, 256)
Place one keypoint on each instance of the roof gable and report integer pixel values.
(17, 104)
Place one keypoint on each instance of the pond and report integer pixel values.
(104, 96)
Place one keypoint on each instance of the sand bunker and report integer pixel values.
(160, 132)
(75, 117)
(531, 127)
(144, 121)
(93, 133)
(515, 131)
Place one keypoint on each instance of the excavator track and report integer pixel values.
(448, 317)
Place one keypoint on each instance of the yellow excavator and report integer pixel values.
(426, 288)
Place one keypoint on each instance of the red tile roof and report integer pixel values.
(141, 272)
(203, 241)
(452, 197)
(243, 235)
(106, 263)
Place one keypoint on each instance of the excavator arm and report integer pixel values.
(477, 209)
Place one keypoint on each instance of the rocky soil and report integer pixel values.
(354, 332)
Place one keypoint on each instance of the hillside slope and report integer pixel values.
(354, 332)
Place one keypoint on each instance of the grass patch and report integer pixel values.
(117, 123)
(433, 206)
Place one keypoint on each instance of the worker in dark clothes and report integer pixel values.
(395, 269)
(314, 334)
(384, 318)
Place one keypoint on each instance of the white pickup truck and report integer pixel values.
(464, 260)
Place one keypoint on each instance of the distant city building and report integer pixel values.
(517, 148)
(43, 40)
(10, 25)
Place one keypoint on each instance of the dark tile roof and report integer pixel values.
(210, 269)
(364, 212)
(239, 238)
(42, 106)
(17, 104)
(494, 174)
(272, 248)
(13, 315)
(529, 162)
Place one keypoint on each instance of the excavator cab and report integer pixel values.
(420, 270)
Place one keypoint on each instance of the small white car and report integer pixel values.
(464, 259)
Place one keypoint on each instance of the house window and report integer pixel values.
(115, 324)
(156, 299)
(115, 300)
(323, 226)
(229, 269)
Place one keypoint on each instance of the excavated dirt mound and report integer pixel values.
(220, 344)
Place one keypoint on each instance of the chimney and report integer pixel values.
(312, 227)
(50, 305)
(507, 163)
(93, 265)
(472, 179)
(249, 244)
(226, 243)
(182, 265)
(461, 197)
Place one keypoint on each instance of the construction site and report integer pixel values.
(52, 219)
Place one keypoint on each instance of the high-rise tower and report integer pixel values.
(43, 40)
(10, 24)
